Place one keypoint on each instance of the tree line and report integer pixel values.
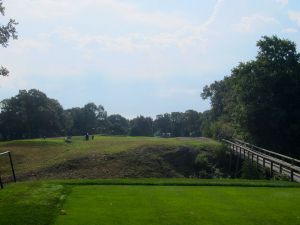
(31, 114)
(260, 100)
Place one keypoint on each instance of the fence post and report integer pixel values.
(271, 168)
(12, 167)
(292, 175)
(280, 168)
(1, 184)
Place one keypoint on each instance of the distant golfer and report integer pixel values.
(87, 137)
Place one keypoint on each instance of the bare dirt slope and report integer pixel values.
(145, 162)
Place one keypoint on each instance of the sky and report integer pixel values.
(136, 57)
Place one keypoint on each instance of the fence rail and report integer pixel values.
(11, 165)
(277, 163)
(270, 153)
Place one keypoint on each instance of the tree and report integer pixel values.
(141, 126)
(163, 124)
(192, 123)
(117, 125)
(90, 118)
(31, 114)
(261, 97)
(7, 32)
(177, 124)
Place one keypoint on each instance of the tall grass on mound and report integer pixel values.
(37, 154)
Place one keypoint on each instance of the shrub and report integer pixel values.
(249, 171)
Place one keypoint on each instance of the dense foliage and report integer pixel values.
(7, 32)
(260, 101)
(31, 114)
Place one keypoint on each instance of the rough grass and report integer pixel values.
(150, 201)
(36, 154)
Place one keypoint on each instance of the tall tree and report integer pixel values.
(177, 124)
(192, 123)
(117, 125)
(91, 118)
(141, 126)
(261, 97)
(7, 32)
(163, 124)
(31, 114)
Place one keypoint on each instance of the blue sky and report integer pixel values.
(136, 56)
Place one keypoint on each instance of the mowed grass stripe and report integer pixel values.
(136, 205)
(30, 203)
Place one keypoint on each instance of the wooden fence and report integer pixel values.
(277, 163)
(11, 165)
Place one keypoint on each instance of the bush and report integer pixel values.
(201, 161)
(249, 171)
(222, 130)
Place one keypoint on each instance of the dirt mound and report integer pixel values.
(182, 160)
(143, 162)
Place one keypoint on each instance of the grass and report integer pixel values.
(135, 205)
(181, 182)
(136, 201)
(150, 201)
(35, 154)
(34, 203)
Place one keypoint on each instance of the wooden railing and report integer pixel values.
(277, 163)
(11, 165)
(285, 158)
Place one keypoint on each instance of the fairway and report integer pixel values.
(155, 205)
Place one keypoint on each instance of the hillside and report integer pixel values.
(105, 157)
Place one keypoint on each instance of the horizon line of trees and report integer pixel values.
(31, 114)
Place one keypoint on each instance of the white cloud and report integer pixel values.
(43, 9)
(282, 2)
(249, 24)
(172, 43)
(295, 16)
(214, 14)
(182, 35)
(177, 31)
(289, 30)
(54, 9)
(39, 44)
(172, 92)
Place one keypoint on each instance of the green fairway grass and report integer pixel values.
(135, 205)
(33, 203)
(150, 201)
